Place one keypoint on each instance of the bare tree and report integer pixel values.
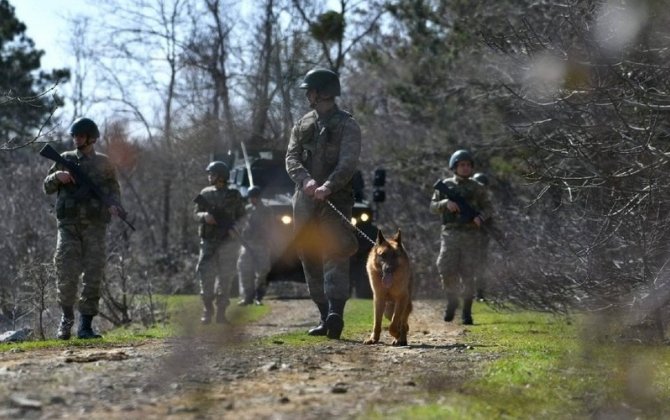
(38, 279)
(328, 28)
(83, 56)
(261, 103)
(590, 114)
(150, 35)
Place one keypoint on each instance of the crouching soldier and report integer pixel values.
(463, 205)
(253, 264)
(217, 208)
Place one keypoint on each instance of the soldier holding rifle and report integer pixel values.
(88, 194)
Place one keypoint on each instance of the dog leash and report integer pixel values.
(356, 229)
(346, 220)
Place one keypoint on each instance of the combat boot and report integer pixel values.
(320, 329)
(335, 320)
(452, 305)
(66, 323)
(207, 311)
(85, 330)
(221, 305)
(259, 295)
(466, 315)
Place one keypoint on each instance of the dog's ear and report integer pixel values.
(397, 238)
(380, 237)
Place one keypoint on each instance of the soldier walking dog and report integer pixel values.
(321, 159)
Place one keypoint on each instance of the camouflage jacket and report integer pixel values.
(226, 204)
(474, 193)
(257, 226)
(325, 148)
(75, 204)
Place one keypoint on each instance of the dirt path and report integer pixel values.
(221, 377)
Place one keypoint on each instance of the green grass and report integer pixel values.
(543, 368)
(534, 365)
(358, 318)
(182, 317)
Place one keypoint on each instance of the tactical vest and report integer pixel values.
(226, 202)
(466, 189)
(78, 204)
(321, 143)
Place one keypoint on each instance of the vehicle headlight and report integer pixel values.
(286, 219)
(354, 221)
(365, 217)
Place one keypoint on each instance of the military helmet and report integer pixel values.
(481, 178)
(219, 169)
(254, 192)
(84, 126)
(458, 156)
(324, 81)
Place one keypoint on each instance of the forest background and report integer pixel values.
(563, 105)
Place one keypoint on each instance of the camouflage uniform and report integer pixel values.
(482, 269)
(325, 148)
(460, 242)
(82, 224)
(253, 265)
(218, 250)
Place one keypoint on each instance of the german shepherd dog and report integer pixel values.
(391, 281)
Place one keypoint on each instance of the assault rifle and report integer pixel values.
(224, 223)
(467, 213)
(85, 183)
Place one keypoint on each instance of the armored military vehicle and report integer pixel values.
(267, 170)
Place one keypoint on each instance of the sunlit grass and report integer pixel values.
(357, 320)
(181, 317)
(536, 365)
(543, 367)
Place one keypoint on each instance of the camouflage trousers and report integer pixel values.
(458, 259)
(217, 262)
(80, 252)
(325, 244)
(253, 267)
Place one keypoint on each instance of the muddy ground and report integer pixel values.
(229, 375)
